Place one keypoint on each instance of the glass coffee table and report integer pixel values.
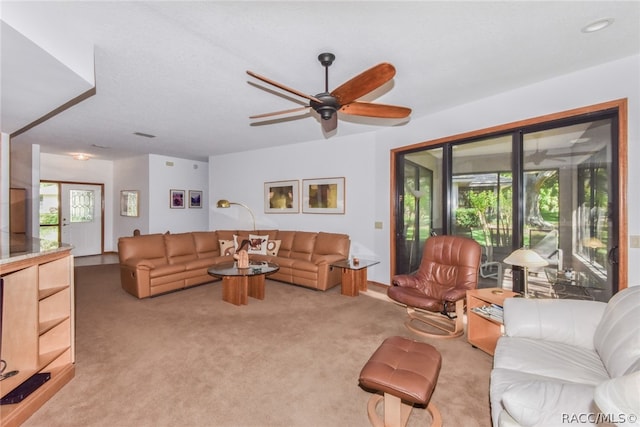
(354, 275)
(240, 283)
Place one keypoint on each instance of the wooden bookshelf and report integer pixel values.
(37, 326)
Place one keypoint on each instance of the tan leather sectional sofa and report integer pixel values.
(158, 263)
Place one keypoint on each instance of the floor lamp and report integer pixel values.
(222, 203)
(526, 258)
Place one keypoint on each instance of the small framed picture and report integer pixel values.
(323, 196)
(176, 199)
(282, 197)
(129, 203)
(195, 198)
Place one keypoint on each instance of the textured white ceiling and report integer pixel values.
(177, 69)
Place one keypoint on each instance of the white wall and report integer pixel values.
(167, 173)
(131, 174)
(365, 160)
(54, 167)
(240, 177)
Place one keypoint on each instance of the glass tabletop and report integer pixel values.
(580, 279)
(351, 264)
(231, 269)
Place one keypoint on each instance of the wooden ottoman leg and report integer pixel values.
(436, 418)
(397, 412)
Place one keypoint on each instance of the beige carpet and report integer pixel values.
(190, 359)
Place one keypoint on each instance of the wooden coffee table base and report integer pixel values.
(237, 289)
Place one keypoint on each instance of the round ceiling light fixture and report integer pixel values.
(598, 25)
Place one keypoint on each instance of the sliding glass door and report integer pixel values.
(416, 212)
(551, 186)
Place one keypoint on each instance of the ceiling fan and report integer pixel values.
(539, 156)
(343, 98)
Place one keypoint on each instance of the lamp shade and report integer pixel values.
(525, 258)
(222, 203)
(593, 243)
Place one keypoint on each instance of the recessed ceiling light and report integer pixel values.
(598, 25)
(81, 156)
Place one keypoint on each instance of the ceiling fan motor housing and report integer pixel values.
(327, 108)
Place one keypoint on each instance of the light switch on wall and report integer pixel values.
(378, 225)
(635, 241)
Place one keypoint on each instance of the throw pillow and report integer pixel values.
(273, 246)
(258, 244)
(543, 403)
(227, 247)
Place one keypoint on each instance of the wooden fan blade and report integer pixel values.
(364, 83)
(331, 124)
(283, 87)
(276, 113)
(375, 110)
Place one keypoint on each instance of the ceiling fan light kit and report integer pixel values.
(343, 98)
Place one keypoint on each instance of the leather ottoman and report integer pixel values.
(406, 372)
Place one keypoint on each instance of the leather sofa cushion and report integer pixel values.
(303, 244)
(616, 339)
(226, 234)
(148, 246)
(564, 362)
(332, 243)
(303, 265)
(286, 242)
(546, 402)
(180, 248)
(206, 243)
(166, 270)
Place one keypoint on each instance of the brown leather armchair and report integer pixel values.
(449, 268)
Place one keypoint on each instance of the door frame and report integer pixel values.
(619, 105)
(59, 184)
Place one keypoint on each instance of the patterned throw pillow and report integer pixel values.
(258, 244)
(227, 247)
(273, 246)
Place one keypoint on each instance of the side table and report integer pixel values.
(354, 275)
(483, 329)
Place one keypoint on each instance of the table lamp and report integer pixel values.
(222, 203)
(526, 258)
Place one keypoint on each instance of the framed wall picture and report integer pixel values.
(323, 196)
(282, 197)
(129, 202)
(195, 198)
(176, 199)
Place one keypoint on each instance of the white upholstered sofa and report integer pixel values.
(568, 362)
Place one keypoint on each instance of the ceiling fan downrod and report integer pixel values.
(329, 105)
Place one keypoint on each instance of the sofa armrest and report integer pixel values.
(572, 322)
(546, 402)
(326, 259)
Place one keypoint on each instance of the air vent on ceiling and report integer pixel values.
(145, 135)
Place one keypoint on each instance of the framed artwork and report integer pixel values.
(176, 199)
(129, 200)
(282, 197)
(195, 198)
(324, 195)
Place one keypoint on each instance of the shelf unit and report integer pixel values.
(37, 328)
(483, 331)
